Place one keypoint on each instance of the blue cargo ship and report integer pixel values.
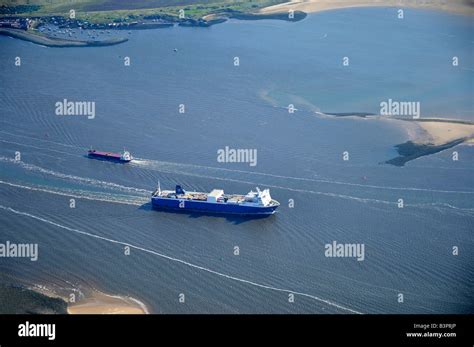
(253, 203)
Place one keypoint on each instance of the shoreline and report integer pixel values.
(443, 131)
(18, 29)
(426, 136)
(434, 131)
(156, 21)
(423, 131)
(101, 303)
(410, 150)
(21, 299)
(56, 42)
(313, 6)
(95, 302)
(430, 136)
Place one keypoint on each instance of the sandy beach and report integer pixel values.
(100, 303)
(434, 131)
(96, 302)
(455, 6)
(442, 132)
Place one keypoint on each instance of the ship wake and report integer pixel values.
(186, 263)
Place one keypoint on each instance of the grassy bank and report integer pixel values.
(106, 11)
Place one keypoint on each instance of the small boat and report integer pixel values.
(123, 157)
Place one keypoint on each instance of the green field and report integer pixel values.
(128, 10)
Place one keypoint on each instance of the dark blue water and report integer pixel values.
(408, 250)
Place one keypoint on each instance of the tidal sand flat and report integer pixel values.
(443, 131)
(100, 303)
(410, 151)
(427, 136)
(436, 135)
(39, 299)
(299, 158)
(455, 6)
(89, 301)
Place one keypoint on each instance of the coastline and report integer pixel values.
(443, 131)
(312, 6)
(208, 18)
(426, 136)
(101, 303)
(96, 302)
(20, 299)
(55, 42)
(31, 34)
(47, 300)
(410, 150)
(434, 131)
(429, 136)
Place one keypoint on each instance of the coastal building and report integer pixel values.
(17, 23)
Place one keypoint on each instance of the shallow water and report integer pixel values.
(407, 250)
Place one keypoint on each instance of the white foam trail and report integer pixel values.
(145, 192)
(139, 201)
(145, 162)
(121, 297)
(39, 139)
(333, 195)
(40, 148)
(141, 304)
(74, 194)
(202, 268)
(443, 206)
(85, 180)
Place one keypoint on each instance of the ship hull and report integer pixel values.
(108, 156)
(210, 207)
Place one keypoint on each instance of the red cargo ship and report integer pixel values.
(123, 157)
